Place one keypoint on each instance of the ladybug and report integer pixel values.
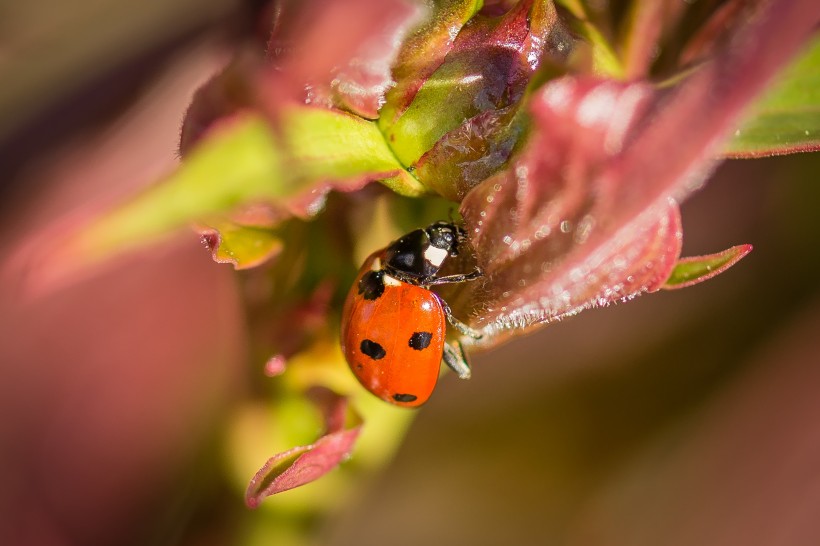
(393, 325)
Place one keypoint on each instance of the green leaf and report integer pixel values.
(696, 269)
(423, 52)
(487, 69)
(242, 246)
(243, 161)
(332, 145)
(787, 118)
(235, 164)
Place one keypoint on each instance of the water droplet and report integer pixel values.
(542, 232)
(490, 198)
(566, 226)
(275, 365)
(507, 240)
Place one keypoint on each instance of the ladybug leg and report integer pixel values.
(455, 278)
(455, 358)
(457, 324)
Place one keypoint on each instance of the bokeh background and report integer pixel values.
(687, 417)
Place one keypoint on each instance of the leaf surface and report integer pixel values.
(304, 464)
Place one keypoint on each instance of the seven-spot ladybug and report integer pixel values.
(393, 326)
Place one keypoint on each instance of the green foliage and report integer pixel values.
(787, 118)
(689, 271)
(242, 162)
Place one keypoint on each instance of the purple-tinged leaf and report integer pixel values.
(532, 225)
(351, 70)
(605, 164)
(315, 42)
(359, 83)
(647, 24)
(464, 122)
(224, 96)
(677, 144)
(494, 8)
(488, 68)
(304, 464)
(715, 31)
(472, 152)
(423, 52)
(696, 269)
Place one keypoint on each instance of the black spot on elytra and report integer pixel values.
(372, 349)
(420, 340)
(371, 285)
(405, 397)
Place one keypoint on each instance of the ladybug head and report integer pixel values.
(446, 236)
(421, 253)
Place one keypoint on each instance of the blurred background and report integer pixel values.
(687, 417)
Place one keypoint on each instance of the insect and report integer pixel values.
(393, 325)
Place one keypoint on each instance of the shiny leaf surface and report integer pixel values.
(606, 164)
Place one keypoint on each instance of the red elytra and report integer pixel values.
(394, 342)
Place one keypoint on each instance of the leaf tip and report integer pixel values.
(696, 269)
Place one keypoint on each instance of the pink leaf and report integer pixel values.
(351, 70)
(471, 107)
(533, 224)
(304, 464)
(587, 213)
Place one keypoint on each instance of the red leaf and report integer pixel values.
(304, 464)
(586, 214)
(535, 226)
(351, 70)
(481, 123)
